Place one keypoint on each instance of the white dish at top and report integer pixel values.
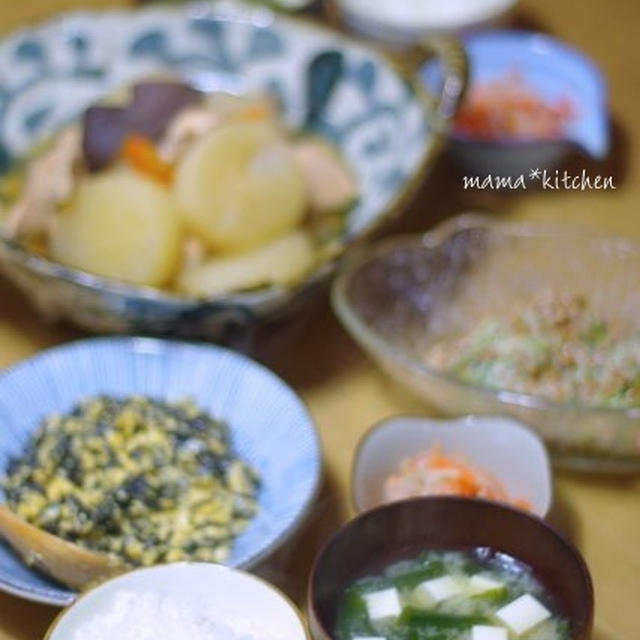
(197, 600)
(504, 447)
(404, 21)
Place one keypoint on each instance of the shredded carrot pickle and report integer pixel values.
(433, 472)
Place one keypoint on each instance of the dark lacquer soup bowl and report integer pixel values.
(403, 530)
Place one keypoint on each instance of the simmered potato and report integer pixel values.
(282, 261)
(239, 187)
(119, 225)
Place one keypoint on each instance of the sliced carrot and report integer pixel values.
(142, 155)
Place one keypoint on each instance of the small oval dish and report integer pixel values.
(209, 594)
(402, 531)
(269, 428)
(510, 452)
(553, 93)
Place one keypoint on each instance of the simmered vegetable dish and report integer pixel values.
(165, 186)
(450, 595)
(144, 480)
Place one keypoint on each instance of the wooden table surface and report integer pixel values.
(345, 391)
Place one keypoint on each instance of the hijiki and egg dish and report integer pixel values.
(164, 186)
(139, 479)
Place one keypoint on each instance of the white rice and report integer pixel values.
(154, 616)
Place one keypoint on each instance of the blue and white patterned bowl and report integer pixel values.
(382, 122)
(269, 425)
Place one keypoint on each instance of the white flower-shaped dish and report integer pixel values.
(502, 446)
(404, 22)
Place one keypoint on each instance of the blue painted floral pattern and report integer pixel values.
(50, 73)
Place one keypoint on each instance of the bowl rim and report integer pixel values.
(481, 503)
(380, 348)
(286, 600)
(482, 144)
(556, 47)
(245, 14)
(160, 345)
(460, 424)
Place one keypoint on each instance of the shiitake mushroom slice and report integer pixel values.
(104, 129)
(152, 107)
(155, 104)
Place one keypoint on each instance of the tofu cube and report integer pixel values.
(383, 604)
(523, 614)
(482, 584)
(482, 632)
(438, 589)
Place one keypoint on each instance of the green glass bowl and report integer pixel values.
(400, 296)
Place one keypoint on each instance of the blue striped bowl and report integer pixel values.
(269, 424)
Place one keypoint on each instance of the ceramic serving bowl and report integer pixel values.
(269, 427)
(555, 71)
(513, 454)
(241, 601)
(403, 530)
(383, 123)
(400, 296)
(404, 22)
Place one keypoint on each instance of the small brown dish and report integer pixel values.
(403, 530)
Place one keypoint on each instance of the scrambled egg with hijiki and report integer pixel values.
(137, 478)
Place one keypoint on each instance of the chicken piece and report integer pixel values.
(51, 181)
(220, 109)
(193, 252)
(186, 127)
(330, 184)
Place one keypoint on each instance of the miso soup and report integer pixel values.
(451, 595)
